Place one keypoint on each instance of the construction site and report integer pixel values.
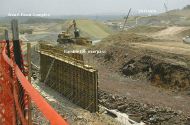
(131, 69)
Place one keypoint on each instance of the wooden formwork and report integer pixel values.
(76, 81)
(59, 52)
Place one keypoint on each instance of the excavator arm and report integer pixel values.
(72, 25)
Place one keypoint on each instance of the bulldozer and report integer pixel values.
(66, 38)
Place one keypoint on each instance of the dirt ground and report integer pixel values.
(122, 48)
(155, 103)
(143, 92)
(73, 113)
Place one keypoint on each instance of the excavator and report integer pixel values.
(66, 38)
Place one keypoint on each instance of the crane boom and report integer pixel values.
(126, 19)
(166, 8)
(72, 25)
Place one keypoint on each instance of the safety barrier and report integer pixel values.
(15, 92)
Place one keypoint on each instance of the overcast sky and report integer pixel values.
(83, 7)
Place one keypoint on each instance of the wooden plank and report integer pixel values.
(96, 90)
(74, 85)
(91, 88)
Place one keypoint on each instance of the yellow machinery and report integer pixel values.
(65, 37)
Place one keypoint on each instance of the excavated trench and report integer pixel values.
(159, 72)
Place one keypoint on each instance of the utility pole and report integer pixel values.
(16, 44)
(7, 41)
(19, 61)
(126, 19)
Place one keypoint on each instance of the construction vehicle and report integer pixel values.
(67, 38)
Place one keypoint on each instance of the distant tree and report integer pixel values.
(187, 7)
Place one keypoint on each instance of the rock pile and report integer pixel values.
(149, 114)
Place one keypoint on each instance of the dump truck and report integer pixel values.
(66, 38)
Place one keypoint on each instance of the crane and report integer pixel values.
(166, 8)
(126, 19)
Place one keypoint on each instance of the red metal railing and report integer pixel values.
(13, 111)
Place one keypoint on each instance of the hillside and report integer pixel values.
(180, 17)
(185, 12)
(90, 28)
